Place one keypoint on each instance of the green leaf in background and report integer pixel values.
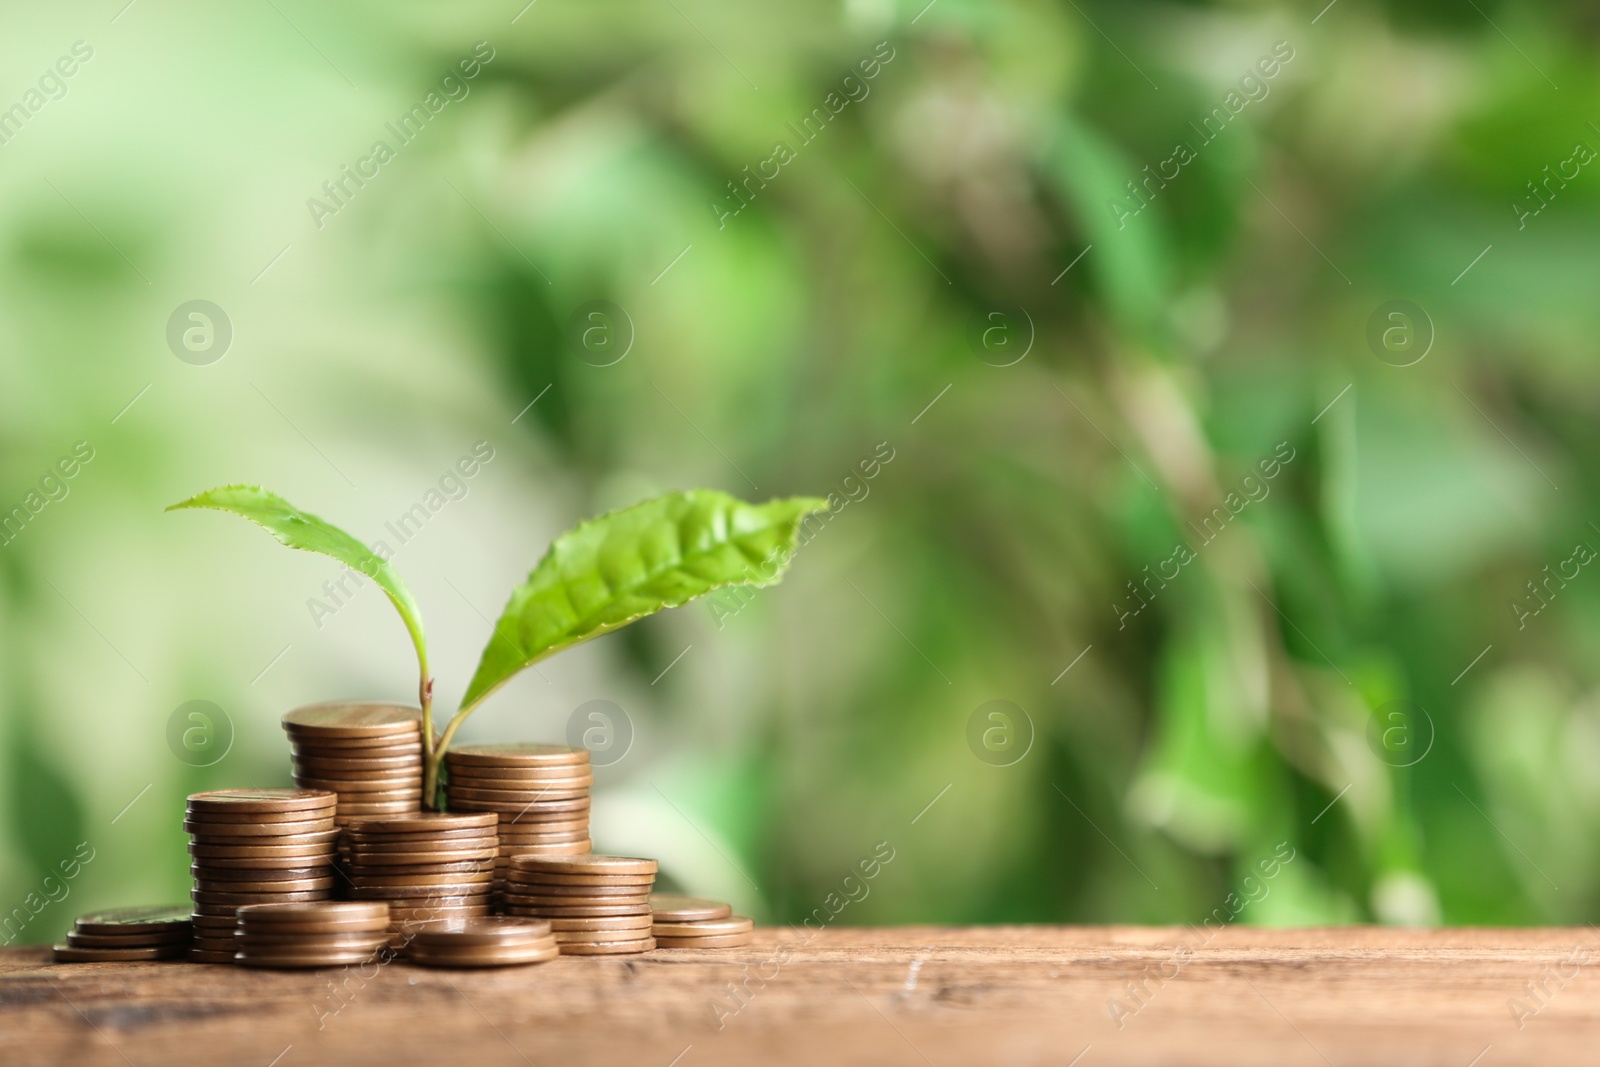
(302, 530)
(630, 563)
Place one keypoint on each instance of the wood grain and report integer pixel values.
(909, 995)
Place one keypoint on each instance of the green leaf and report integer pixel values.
(302, 530)
(619, 567)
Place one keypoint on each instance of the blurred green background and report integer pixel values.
(1075, 362)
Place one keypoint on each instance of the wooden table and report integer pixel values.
(911, 995)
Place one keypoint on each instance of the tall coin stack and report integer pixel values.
(540, 793)
(255, 846)
(369, 754)
(427, 866)
(596, 905)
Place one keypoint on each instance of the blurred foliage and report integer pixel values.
(1183, 726)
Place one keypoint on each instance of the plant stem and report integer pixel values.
(425, 695)
(430, 781)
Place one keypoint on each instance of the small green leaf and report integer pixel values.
(631, 563)
(302, 530)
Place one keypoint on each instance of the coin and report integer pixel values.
(428, 822)
(554, 851)
(255, 829)
(515, 753)
(716, 941)
(404, 761)
(198, 955)
(484, 956)
(205, 873)
(673, 907)
(492, 931)
(734, 924)
(157, 918)
(367, 789)
(325, 911)
(294, 941)
(606, 948)
(311, 960)
(262, 800)
(344, 719)
(180, 937)
(538, 908)
(596, 893)
(614, 922)
(550, 807)
(517, 873)
(387, 859)
(592, 865)
(315, 847)
(65, 953)
(460, 883)
(280, 841)
(221, 820)
(202, 896)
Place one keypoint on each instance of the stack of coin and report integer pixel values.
(326, 934)
(596, 905)
(426, 866)
(540, 792)
(728, 932)
(492, 942)
(369, 754)
(255, 846)
(156, 933)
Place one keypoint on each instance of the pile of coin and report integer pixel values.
(426, 866)
(369, 754)
(326, 934)
(540, 792)
(255, 846)
(596, 905)
(725, 931)
(156, 933)
(494, 942)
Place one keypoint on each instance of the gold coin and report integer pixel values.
(514, 754)
(717, 941)
(262, 800)
(733, 924)
(674, 907)
(323, 911)
(154, 919)
(347, 719)
(65, 953)
(606, 948)
(496, 930)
